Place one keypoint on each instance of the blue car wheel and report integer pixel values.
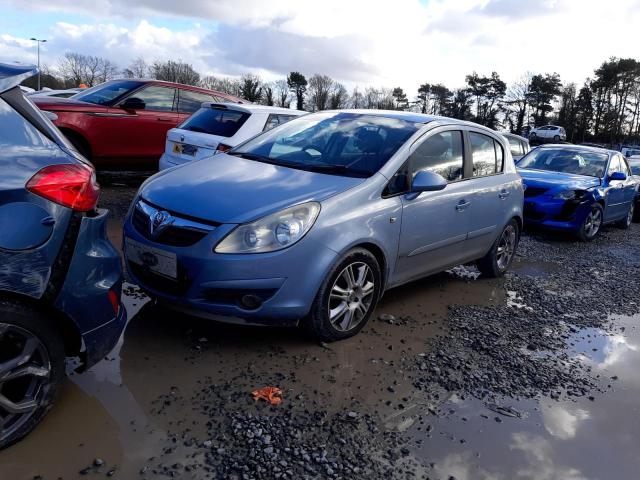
(626, 221)
(31, 369)
(592, 223)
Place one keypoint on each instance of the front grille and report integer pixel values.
(181, 233)
(160, 283)
(534, 191)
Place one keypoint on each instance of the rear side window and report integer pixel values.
(189, 102)
(156, 98)
(441, 153)
(515, 146)
(486, 154)
(276, 119)
(214, 121)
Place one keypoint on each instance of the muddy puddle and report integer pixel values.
(112, 412)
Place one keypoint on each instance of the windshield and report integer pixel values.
(338, 143)
(577, 162)
(107, 93)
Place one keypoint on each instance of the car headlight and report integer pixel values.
(569, 195)
(273, 232)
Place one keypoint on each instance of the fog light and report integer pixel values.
(250, 301)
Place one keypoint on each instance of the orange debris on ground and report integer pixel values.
(268, 394)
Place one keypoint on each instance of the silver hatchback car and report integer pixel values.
(312, 221)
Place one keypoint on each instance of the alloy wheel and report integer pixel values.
(506, 247)
(593, 222)
(25, 376)
(351, 296)
(630, 214)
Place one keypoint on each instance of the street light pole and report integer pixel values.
(38, 42)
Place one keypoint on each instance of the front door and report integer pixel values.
(142, 133)
(434, 224)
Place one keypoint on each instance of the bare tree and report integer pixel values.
(516, 102)
(267, 94)
(175, 71)
(338, 96)
(357, 99)
(77, 69)
(318, 92)
(281, 88)
(230, 86)
(137, 69)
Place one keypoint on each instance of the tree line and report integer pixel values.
(605, 109)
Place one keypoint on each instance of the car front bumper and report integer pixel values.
(213, 285)
(556, 214)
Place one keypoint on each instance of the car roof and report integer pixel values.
(12, 74)
(181, 85)
(571, 146)
(252, 108)
(513, 135)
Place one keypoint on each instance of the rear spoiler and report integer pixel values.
(226, 106)
(13, 74)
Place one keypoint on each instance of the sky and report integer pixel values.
(358, 42)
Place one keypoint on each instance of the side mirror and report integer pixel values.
(618, 176)
(133, 103)
(425, 181)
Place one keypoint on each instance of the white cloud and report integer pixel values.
(365, 42)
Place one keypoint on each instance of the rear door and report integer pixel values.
(492, 191)
(142, 135)
(434, 224)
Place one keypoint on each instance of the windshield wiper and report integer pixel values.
(335, 168)
(253, 156)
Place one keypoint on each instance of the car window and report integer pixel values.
(277, 119)
(156, 98)
(107, 93)
(614, 166)
(272, 121)
(515, 146)
(215, 121)
(567, 160)
(624, 168)
(189, 101)
(486, 155)
(441, 153)
(335, 143)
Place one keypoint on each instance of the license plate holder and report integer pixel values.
(154, 259)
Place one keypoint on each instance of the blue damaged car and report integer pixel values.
(577, 189)
(313, 220)
(60, 278)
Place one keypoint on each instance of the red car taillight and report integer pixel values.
(115, 301)
(72, 185)
(223, 148)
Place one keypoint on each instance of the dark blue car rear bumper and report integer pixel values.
(94, 271)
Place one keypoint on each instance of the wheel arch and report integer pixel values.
(73, 134)
(64, 325)
(379, 255)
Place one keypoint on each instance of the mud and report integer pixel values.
(173, 400)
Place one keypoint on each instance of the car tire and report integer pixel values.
(497, 261)
(592, 224)
(626, 222)
(533, 136)
(348, 293)
(556, 138)
(32, 369)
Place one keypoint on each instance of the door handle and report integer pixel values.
(462, 205)
(164, 119)
(504, 194)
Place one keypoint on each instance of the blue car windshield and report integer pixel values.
(565, 160)
(337, 143)
(107, 93)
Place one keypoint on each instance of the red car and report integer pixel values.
(124, 123)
